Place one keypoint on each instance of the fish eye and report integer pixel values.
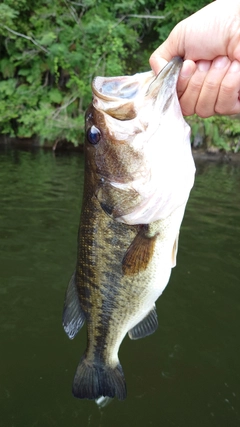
(93, 135)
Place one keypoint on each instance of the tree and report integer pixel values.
(50, 52)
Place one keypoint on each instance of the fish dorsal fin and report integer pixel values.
(73, 317)
(146, 327)
(174, 252)
(139, 253)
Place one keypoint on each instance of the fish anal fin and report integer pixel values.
(93, 380)
(146, 327)
(139, 254)
(174, 252)
(73, 317)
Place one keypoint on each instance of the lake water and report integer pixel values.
(187, 374)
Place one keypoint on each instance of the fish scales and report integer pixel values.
(128, 234)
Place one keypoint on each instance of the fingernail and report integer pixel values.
(203, 65)
(188, 69)
(234, 67)
(220, 62)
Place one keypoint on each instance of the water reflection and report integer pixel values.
(186, 374)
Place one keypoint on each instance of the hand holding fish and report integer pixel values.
(209, 42)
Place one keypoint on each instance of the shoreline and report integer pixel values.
(199, 154)
(220, 156)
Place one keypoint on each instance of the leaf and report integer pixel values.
(55, 96)
(8, 87)
(47, 38)
(7, 15)
(7, 68)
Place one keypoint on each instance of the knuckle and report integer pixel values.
(203, 112)
(220, 109)
(210, 85)
(227, 102)
(205, 106)
(187, 108)
(195, 86)
(227, 109)
(187, 111)
(229, 88)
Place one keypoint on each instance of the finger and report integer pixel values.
(228, 97)
(187, 71)
(189, 98)
(159, 59)
(208, 96)
(163, 54)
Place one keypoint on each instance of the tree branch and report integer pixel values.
(26, 37)
(63, 107)
(148, 16)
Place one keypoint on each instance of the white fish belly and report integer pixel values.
(151, 282)
(156, 277)
(138, 311)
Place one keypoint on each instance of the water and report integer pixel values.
(186, 374)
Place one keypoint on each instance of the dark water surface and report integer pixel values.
(187, 374)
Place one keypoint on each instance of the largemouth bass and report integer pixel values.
(139, 172)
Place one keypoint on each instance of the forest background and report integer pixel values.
(51, 51)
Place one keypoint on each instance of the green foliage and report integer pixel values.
(176, 11)
(220, 132)
(50, 52)
(7, 16)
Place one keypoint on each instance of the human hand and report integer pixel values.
(209, 41)
(209, 87)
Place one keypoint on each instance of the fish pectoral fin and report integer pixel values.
(117, 202)
(146, 327)
(139, 253)
(174, 252)
(73, 317)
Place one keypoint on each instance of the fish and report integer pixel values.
(139, 172)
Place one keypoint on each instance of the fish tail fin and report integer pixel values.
(94, 379)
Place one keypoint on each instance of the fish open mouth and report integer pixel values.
(122, 87)
(121, 96)
(128, 87)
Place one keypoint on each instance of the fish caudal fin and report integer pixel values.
(146, 327)
(73, 317)
(93, 380)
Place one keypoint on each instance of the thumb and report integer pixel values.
(160, 57)
(167, 50)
